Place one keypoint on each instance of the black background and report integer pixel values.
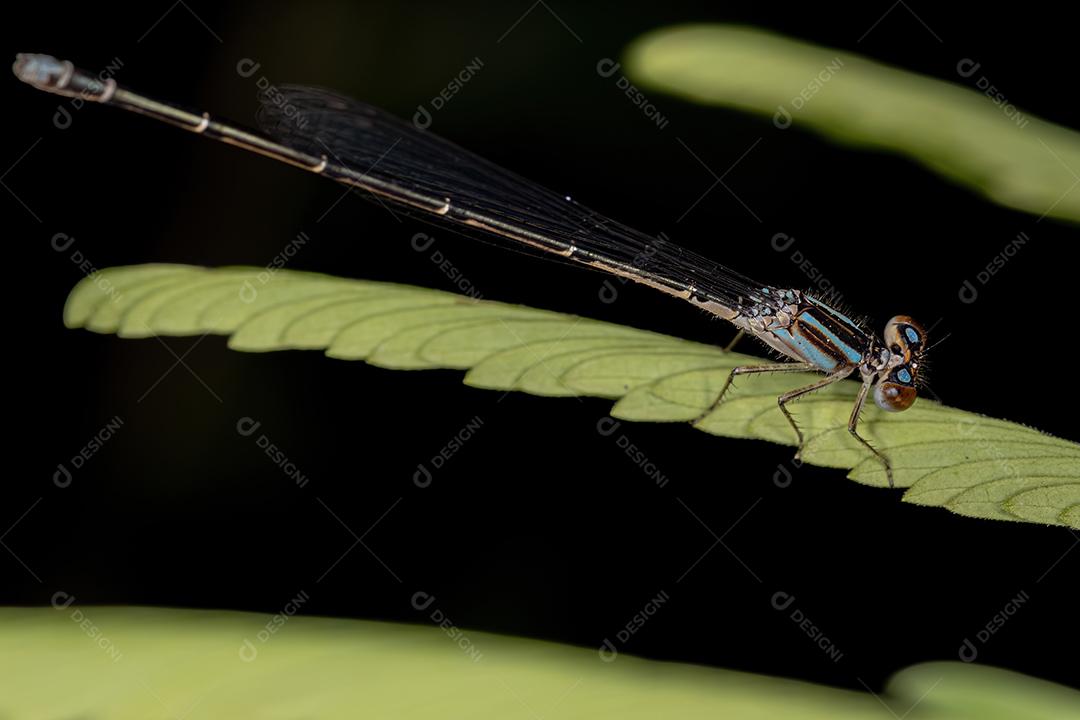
(538, 526)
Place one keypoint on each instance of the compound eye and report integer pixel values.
(894, 397)
(904, 333)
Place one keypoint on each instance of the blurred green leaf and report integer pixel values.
(116, 663)
(970, 464)
(954, 128)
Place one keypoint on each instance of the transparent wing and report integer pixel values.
(479, 196)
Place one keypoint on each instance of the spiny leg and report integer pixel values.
(787, 397)
(738, 336)
(746, 370)
(853, 423)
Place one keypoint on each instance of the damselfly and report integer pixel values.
(362, 146)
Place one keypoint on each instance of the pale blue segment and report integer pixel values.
(912, 336)
(903, 375)
(832, 311)
(853, 354)
(807, 350)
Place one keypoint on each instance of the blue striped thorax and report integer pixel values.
(808, 330)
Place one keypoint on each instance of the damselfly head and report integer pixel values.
(905, 339)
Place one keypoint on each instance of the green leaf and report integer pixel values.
(117, 663)
(953, 128)
(970, 464)
(1044, 504)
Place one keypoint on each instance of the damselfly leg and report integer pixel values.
(734, 341)
(787, 397)
(782, 401)
(853, 428)
(748, 370)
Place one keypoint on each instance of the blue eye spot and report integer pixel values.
(912, 336)
(903, 375)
